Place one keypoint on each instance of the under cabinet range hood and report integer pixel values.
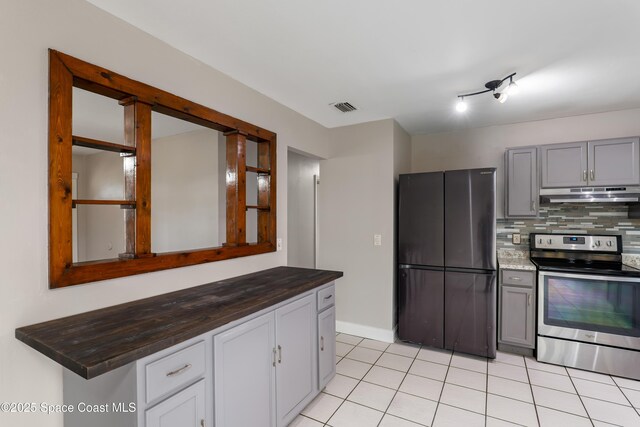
(590, 195)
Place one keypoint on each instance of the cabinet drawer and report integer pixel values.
(326, 297)
(518, 278)
(174, 371)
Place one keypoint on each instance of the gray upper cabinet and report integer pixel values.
(522, 182)
(614, 162)
(564, 165)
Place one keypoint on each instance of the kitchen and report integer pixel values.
(360, 163)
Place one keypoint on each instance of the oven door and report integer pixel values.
(590, 308)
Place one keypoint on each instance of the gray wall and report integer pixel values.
(301, 209)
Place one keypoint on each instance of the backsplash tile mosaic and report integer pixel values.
(573, 218)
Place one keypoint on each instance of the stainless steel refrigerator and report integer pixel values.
(447, 260)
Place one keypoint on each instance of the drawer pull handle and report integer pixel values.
(202, 424)
(584, 175)
(515, 278)
(274, 357)
(328, 297)
(279, 354)
(528, 299)
(179, 371)
(593, 175)
(321, 343)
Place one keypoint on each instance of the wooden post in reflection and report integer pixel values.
(263, 192)
(236, 182)
(137, 178)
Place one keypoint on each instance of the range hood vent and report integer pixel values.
(591, 195)
(345, 107)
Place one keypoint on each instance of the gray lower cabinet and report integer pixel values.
(326, 346)
(564, 165)
(264, 369)
(614, 161)
(517, 319)
(521, 198)
(186, 408)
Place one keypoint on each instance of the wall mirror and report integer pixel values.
(142, 180)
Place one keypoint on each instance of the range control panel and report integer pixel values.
(577, 242)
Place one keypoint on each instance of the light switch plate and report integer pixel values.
(515, 238)
(279, 244)
(377, 240)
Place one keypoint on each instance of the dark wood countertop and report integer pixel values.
(96, 342)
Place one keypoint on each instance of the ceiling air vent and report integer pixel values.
(345, 107)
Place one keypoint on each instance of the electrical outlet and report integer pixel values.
(515, 238)
(279, 244)
(377, 240)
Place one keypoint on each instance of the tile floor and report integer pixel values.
(400, 385)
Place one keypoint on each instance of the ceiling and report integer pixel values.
(409, 59)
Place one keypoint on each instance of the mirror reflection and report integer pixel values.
(188, 195)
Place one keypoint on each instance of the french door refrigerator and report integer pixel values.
(447, 260)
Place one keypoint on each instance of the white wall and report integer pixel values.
(484, 147)
(355, 202)
(27, 29)
(301, 209)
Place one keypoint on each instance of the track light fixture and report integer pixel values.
(492, 86)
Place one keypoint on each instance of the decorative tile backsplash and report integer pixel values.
(576, 218)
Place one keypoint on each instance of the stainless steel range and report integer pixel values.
(588, 303)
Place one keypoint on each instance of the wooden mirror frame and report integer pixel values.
(139, 100)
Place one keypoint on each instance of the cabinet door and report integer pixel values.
(184, 409)
(421, 306)
(297, 364)
(564, 165)
(326, 346)
(522, 182)
(517, 323)
(614, 162)
(244, 374)
(470, 313)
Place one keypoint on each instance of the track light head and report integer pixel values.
(513, 88)
(502, 97)
(461, 106)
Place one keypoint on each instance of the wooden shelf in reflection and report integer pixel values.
(260, 208)
(81, 141)
(127, 204)
(259, 171)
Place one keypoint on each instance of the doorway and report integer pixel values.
(303, 173)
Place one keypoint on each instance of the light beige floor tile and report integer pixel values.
(422, 387)
(549, 380)
(610, 393)
(431, 370)
(392, 421)
(633, 396)
(342, 349)
(322, 407)
(341, 386)
(353, 415)
(547, 367)
(465, 378)
(393, 361)
(448, 416)
(627, 383)
(552, 418)
(404, 349)
(371, 395)
(511, 410)
(363, 354)
(611, 413)
(467, 361)
(413, 408)
(554, 399)
(352, 368)
(373, 344)
(591, 376)
(464, 398)
(302, 421)
(510, 358)
(603, 424)
(348, 339)
(511, 372)
(385, 377)
(494, 422)
(510, 388)
(434, 355)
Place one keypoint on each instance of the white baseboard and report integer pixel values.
(379, 334)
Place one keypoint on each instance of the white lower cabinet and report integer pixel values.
(264, 369)
(326, 346)
(184, 409)
(259, 371)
